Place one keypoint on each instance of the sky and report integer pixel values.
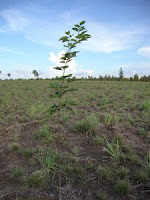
(30, 32)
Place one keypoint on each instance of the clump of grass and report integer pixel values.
(87, 125)
(17, 172)
(101, 196)
(67, 168)
(113, 148)
(45, 133)
(129, 118)
(122, 173)
(16, 137)
(49, 160)
(36, 179)
(91, 97)
(64, 118)
(104, 101)
(98, 140)
(122, 187)
(36, 110)
(142, 131)
(129, 97)
(75, 150)
(132, 156)
(14, 147)
(141, 175)
(145, 105)
(147, 163)
(68, 102)
(79, 169)
(27, 153)
(111, 119)
(105, 173)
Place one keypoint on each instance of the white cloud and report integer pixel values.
(108, 39)
(144, 51)
(19, 71)
(16, 20)
(73, 68)
(25, 72)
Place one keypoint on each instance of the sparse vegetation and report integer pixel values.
(113, 148)
(86, 125)
(123, 187)
(36, 179)
(94, 151)
(17, 172)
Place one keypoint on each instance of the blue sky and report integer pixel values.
(30, 29)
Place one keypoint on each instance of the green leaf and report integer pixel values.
(67, 32)
(65, 67)
(64, 39)
(58, 68)
(74, 40)
(67, 76)
(62, 61)
(74, 53)
(77, 25)
(82, 22)
(75, 29)
(67, 54)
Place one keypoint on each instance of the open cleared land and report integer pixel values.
(105, 141)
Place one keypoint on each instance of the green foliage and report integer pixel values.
(35, 73)
(140, 175)
(104, 101)
(148, 162)
(101, 196)
(14, 147)
(27, 153)
(122, 187)
(136, 77)
(129, 118)
(70, 41)
(111, 119)
(142, 131)
(113, 149)
(48, 160)
(98, 140)
(36, 110)
(121, 74)
(129, 97)
(36, 179)
(16, 137)
(122, 173)
(17, 172)
(145, 105)
(105, 173)
(87, 125)
(45, 133)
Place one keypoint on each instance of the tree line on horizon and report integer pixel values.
(106, 77)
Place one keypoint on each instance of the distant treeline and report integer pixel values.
(112, 78)
(121, 77)
(100, 78)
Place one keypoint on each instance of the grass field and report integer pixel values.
(105, 141)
